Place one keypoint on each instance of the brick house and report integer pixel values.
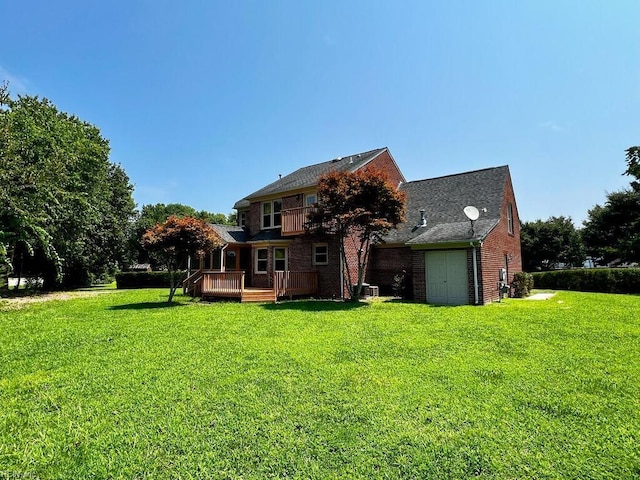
(443, 258)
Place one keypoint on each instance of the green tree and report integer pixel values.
(612, 231)
(153, 214)
(548, 243)
(61, 200)
(359, 207)
(178, 238)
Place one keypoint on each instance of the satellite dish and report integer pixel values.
(471, 212)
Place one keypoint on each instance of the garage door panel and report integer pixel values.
(447, 279)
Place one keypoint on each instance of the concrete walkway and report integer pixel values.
(541, 296)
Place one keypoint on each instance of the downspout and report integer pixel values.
(475, 275)
(341, 273)
(222, 269)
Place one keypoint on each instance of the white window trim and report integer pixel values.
(309, 195)
(242, 218)
(315, 254)
(262, 214)
(510, 218)
(264, 259)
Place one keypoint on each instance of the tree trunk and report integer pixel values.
(172, 283)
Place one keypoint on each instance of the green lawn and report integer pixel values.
(120, 385)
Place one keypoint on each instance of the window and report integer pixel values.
(271, 216)
(279, 259)
(229, 260)
(262, 257)
(242, 219)
(510, 218)
(310, 199)
(320, 254)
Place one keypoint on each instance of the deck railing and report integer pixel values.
(287, 284)
(223, 284)
(294, 219)
(208, 283)
(193, 284)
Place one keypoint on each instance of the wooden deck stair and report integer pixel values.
(258, 295)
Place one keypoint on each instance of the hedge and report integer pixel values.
(604, 280)
(147, 279)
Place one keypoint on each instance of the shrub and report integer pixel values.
(147, 279)
(604, 280)
(522, 284)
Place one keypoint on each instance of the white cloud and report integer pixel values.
(552, 125)
(16, 84)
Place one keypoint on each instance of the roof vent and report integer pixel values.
(350, 160)
(279, 175)
(423, 220)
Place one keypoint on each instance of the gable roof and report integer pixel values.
(308, 176)
(443, 199)
(231, 233)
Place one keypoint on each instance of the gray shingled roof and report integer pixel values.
(231, 233)
(444, 199)
(308, 176)
(269, 234)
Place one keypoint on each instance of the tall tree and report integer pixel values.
(359, 207)
(59, 194)
(178, 238)
(612, 231)
(633, 165)
(548, 243)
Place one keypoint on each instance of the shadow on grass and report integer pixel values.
(145, 306)
(314, 305)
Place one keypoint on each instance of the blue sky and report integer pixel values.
(205, 102)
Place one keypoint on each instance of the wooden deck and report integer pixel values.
(215, 284)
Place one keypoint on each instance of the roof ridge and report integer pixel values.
(368, 152)
(457, 174)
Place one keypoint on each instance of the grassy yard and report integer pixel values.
(120, 385)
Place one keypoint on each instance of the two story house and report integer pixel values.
(439, 253)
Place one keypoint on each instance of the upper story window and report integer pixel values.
(510, 218)
(310, 199)
(271, 216)
(242, 219)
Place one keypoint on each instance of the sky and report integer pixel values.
(204, 102)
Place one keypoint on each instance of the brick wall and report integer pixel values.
(253, 218)
(385, 163)
(301, 260)
(385, 263)
(419, 275)
(292, 201)
(500, 250)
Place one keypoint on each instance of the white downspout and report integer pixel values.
(341, 274)
(222, 269)
(475, 275)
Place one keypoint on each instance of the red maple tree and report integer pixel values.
(178, 238)
(359, 207)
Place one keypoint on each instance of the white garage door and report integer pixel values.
(447, 280)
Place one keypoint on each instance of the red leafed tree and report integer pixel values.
(359, 207)
(176, 239)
